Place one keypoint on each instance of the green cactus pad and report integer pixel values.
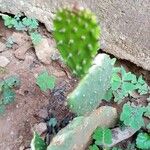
(37, 143)
(77, 37)
(92, 88)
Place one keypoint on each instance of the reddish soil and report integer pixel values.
(17, 122)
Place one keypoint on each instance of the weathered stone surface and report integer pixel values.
(125, 24)
(4, 61)
(40, 128)
(77, 134)
(2, 47)
(21, 51)
(44, 51)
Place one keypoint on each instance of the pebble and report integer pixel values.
(44, 51)
(40, 128)
(4, 61)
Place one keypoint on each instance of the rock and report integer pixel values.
(43, 113)
(119, 135)
(40, 128)
(125, 23)
(20, 37)
(2, 47)
(44, 51)
(29, 60)
(4, 61)
(77, 135)
(20, 52)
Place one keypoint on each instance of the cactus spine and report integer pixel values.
(91, 89)
(77, 37)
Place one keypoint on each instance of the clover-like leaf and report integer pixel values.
(115, 81)
(38, 143)
(8, 21)
(45, 81)
(147, 113)
(12, 81)
(102, 136)
(128, 87)
(30, 23)
(143, 141)
(93, 147)
(8, 95)
(108, 95)
(36, 38)
(132, 116)
(141, 80)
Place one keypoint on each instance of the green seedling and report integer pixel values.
(45, 81)
(102, 136)
(133, 116)
(123, 84)
(7, 95)
(36, 38)
(143, 141)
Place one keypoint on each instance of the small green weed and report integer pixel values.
(45, 81)
(102, 137)
(36, 38)
(123, 84)
(133, 116)
(22, 24)
(143, 141)
(7, 95)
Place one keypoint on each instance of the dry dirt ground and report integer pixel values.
(20, 117)
(17, 124)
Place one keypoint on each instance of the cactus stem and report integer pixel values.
(90, 47)
(60, 42)
(59, 19)
(83, 37)
(62, 30)
(68, 21)
(79, 20)
(70, 55)
(84, 62)
(79, 52)
(71, 41)
(75, 29)
(78, 67)
(85, 25)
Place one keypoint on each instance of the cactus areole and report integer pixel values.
(77, 35)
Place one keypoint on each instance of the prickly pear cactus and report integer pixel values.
(92, 88)
(77, 134)
(37, 143)
(77, 36)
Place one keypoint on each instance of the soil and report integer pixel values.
(16, 125)
(20, 117)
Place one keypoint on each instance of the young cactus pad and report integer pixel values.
(92, 88)
(77, 37)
